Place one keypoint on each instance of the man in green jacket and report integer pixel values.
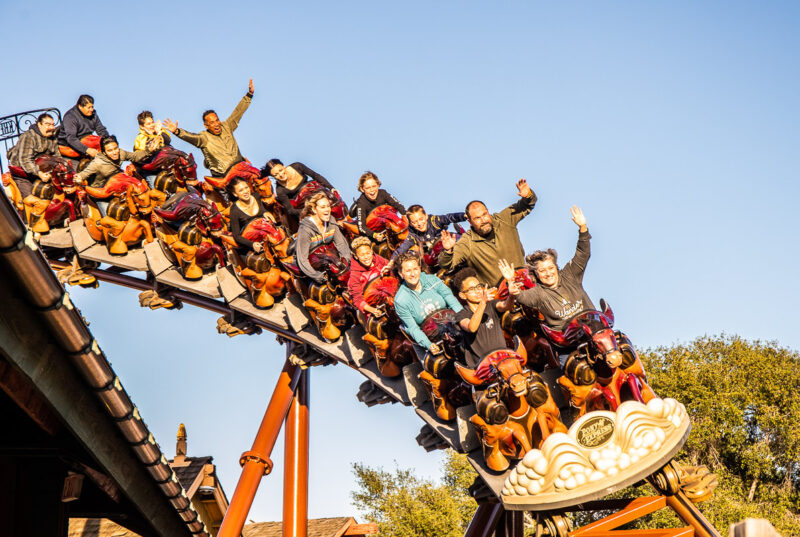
(217, 143)
(492, 237)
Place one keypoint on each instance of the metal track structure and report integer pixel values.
(148, 269)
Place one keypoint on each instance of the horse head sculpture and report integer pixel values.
(504, 367)
(380, 291)
(595, 328)
(326, 259)
(275, 237)
(386, 218)
(338, 207)
(174, 168)
(60, 170)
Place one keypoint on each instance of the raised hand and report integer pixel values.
(578, 218)
(506, 270)
(523, 189)
(251, 88)
(448, 240)
(489, 293)
(171, 126)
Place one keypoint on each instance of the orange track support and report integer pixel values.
(636, 509)
(295, 472)
(256, 462)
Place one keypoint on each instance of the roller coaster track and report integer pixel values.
(148, 269)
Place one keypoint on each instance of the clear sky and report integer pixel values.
(674, 125)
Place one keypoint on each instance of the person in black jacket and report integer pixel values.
(425, 229)
(244, 210)
(290, 180)
(81, 120)
(560, 295)
(371, 197)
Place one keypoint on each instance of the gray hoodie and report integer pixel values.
(309, 238)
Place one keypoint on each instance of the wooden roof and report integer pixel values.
(317, 527)
(97, 527)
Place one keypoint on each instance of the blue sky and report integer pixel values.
(674, 125)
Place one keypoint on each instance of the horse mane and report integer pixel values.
(189, 206)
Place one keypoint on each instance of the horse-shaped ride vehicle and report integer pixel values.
(390, 347)
(262, 272)
(325, 302)
(515, 409)
(127, 219)
(54, 199)
(191, 231)
(602, 369)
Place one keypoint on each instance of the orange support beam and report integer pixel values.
(637, 508)
(295, 472)
(689, 513)
(256, 462)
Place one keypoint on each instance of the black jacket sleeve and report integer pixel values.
(441, 221)
(302, 169)
(386, 198)
(99, 128)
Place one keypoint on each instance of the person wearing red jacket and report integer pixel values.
(365, 267)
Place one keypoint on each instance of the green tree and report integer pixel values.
(741, 397)
(745, 428)
(405, 506)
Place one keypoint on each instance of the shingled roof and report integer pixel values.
(97, 527)
(318, 527)
(187, 474)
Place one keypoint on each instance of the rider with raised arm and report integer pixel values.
(559, 295)
(217, 142)
(480, 322)
(35, 142)
(372, 196)
(151, 134)
(491, 237)
(420, 295)
(425, 229)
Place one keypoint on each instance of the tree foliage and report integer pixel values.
(741, 397)
(745, 414)
(405, 506)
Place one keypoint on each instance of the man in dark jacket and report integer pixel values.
(35, 142)
(491, 237)
(81, 120)
(559, 295)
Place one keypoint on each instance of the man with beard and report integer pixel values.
(37, 141)
(217, 142)
(491, 237)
